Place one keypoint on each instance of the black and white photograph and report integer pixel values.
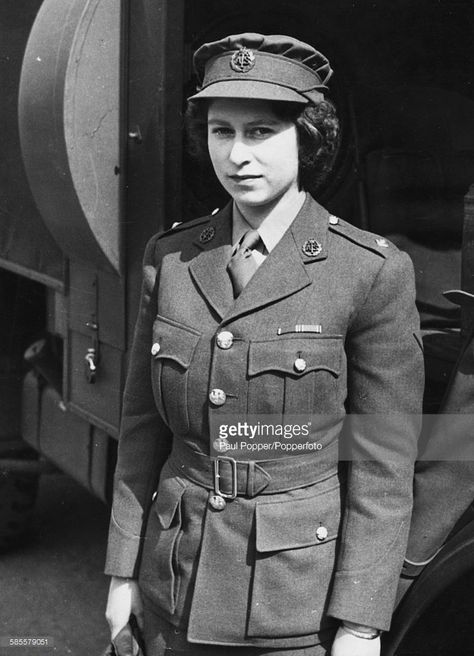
(237, 327)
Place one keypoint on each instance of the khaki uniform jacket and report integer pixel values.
(256, 572)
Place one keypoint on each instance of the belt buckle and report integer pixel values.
(217, 475)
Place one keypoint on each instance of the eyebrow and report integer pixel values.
(212, 121)
(259, 121)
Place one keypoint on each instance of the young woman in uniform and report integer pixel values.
(270, 308)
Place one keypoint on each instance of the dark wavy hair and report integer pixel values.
(317, 127)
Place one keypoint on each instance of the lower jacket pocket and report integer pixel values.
(294, 563)
(159, 572)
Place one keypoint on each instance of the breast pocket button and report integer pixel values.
(155, 349)
(217, 396)
(321, 533)
(225, 339)
(300, 365)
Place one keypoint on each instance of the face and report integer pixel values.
(254, 153)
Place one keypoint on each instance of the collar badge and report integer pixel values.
(207, 234)
(243, 60)
(312, 247)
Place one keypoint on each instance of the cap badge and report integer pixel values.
(312, 247)
(207, 234)
(242, 61)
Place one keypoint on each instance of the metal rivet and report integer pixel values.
(136, 135)
(382, 242)
(155, 349)
(333, 220)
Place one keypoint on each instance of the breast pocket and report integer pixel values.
(172, 353)
(293, 375)
(294, 563)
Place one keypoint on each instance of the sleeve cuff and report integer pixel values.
(365, 598)
(123, 552)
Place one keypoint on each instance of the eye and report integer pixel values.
(261, 132)
(222, 132)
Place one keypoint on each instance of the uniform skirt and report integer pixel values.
(163, 639)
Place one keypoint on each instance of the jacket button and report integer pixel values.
(300, 364)
(217, 502)
(217, 396)
(321, 533)
(155, 349)
(225, 339)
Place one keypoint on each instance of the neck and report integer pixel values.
(289, 205)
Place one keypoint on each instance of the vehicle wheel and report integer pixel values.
(18, 492)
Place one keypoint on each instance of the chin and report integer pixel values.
(252, 199)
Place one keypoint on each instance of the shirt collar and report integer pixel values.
(271, 230)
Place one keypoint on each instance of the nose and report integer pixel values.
(240, 153)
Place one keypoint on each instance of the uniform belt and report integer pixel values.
(230, 478)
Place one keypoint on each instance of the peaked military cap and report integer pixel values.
(267, 67)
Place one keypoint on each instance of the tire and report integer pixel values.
(18, 492)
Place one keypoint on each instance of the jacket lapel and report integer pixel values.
(284, 271)
(208, 269)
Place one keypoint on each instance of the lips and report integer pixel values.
(243, 178)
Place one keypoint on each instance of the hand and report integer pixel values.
(346, 644)
(124, 600)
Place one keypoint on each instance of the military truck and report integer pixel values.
(94, 162)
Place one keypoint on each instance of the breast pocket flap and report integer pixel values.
(296, 356)
(174, 341)
(298, 523)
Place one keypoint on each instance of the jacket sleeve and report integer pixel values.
(385, 388)
(144, 441)
(444, 475)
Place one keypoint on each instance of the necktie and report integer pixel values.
(243, 265)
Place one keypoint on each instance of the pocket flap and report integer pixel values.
(174, 341)
(167, 500)
(298, 523)
(281, 354)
